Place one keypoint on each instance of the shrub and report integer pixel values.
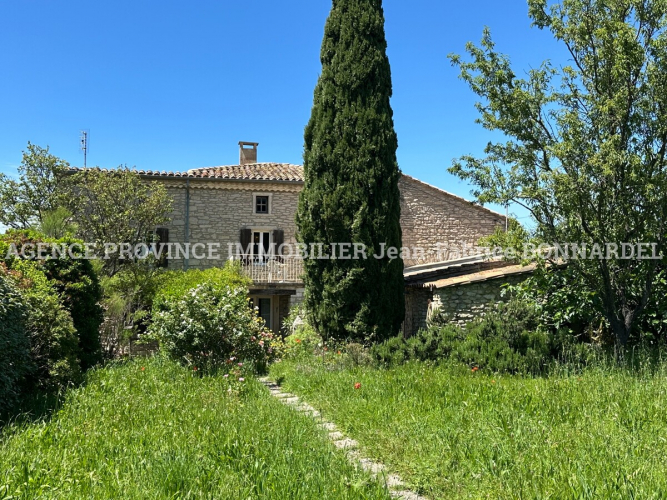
(210, 324)
(76, 282)
(506, 340)
(49, 327)
(301, 339)
(14, 344)
(79, 286)
(174, 285)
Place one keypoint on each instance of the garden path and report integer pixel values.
(354, 455)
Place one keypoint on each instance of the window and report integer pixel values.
(264, 306)
(262, 203)
(162, 245)
(261, 243)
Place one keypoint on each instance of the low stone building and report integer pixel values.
(254, 205)
(459, 290)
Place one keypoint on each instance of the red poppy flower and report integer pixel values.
(357, 385)
(143, 368)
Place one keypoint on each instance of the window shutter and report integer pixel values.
(278, 239)
(162, 234)
(246, 236)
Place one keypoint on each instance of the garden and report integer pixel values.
(557, 392)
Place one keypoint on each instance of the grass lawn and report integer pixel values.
(163, 433)
(453, 433)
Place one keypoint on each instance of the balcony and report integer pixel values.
(271, 269)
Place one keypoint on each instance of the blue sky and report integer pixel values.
(173, 85)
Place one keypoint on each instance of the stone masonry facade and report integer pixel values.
(440, 222)
(431, 219)
(463, 303)
(216, 210)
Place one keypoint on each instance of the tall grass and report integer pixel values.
(163, 432)
(456, 433)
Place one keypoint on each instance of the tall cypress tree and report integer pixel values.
(351, 180)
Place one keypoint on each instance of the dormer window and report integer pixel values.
(262, 203)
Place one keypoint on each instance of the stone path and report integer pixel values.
(376, 469)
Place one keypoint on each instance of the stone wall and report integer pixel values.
(417, 302)
(295, 300)
(219, 210)
(430, 216)
(463, 303)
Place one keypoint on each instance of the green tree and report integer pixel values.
(351, 180)
(25, 202)
(586, 143)
(116, 207)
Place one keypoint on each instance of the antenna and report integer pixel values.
(507, 216)
(84, 146)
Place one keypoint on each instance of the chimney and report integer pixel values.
(248, 152)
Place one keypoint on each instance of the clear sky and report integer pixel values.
(174, 85)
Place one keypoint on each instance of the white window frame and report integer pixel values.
(260, 230)
(254, 203)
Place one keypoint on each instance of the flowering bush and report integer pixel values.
(211, 324)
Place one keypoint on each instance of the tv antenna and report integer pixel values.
(84, 145)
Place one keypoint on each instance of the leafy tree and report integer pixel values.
(26, 201)
(57, 223)
(116, 207)
(511, 241)
(586, 143)
(351, 180)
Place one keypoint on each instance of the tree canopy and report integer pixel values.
(586, 143)
(116, 207)
(26, 202)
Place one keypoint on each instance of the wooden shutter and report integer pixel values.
(245, 239)
(278, 239)
(162, 234)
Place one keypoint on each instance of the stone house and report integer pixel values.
(254, 204)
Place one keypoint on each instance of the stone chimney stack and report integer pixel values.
(248, 152)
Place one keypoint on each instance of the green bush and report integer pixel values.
(508, 339)
(210, 324)
(175, 284)
(301, 339)
(50, 329)
(15, 360)
(76, 282)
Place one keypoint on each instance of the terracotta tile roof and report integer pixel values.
(279, 172)
(152, 173)
(252, 172)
